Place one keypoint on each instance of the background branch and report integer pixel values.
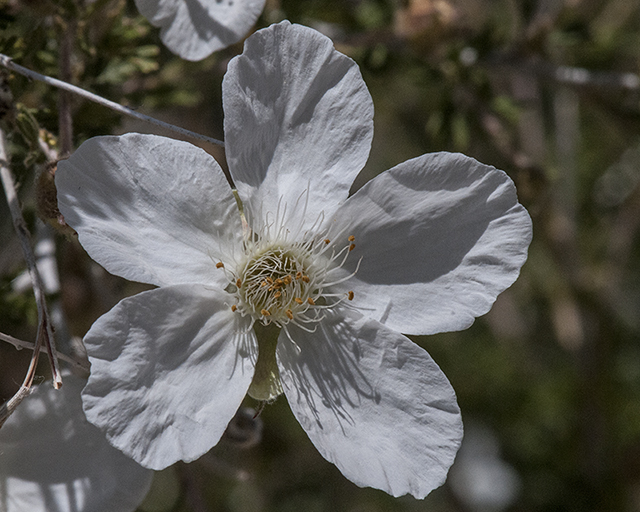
(20, 344)
(8, 63)
(45, 330)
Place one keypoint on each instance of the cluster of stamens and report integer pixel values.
(281, 282)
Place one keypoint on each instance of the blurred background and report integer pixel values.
(548, 90)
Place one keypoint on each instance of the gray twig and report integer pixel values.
(45, 330)
(8, 408)
(20, 344)
(9, 64)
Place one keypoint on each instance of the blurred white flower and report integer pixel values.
(306, 290)
(194, 29)
(53, 460)
(480, 478)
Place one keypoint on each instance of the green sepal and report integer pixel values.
(266, 384)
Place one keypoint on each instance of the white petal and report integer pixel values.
(440, 236)
(298, 119)
(158, 12)
(149, 208)
(169, 368)
(53, 460)
(373, 403)
(194, 29)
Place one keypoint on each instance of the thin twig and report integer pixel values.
(20, 344)
(65, 121)
(8, 63)
(45, 329)
(566, 75)
(10, 406)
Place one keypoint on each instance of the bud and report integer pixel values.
(245, 429)
(47, 201)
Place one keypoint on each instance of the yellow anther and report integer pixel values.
(239, 283)
(311, 301)
(265, 312)
(350, 295)
(219, 265)
(279, 282)
(269, 280)
(327, 241)
(298, 300)
(305, 279)
(351, 238)
(352, 247)
(289, 314)
(276, 295)
(233, 308)
(263, 284)
(298, 275)
(287, 279)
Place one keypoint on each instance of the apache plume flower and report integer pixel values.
(288, 285)
(194, 29)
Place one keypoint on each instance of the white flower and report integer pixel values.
(53, 460)
(194, 29)
(326, 280)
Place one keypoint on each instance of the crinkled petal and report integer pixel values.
(53, 460)
(439, 237)
(372, 402)
(169, 368)
(149, 208)
(194, 29)
(298, 121)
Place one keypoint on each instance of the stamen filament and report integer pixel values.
(283, 276)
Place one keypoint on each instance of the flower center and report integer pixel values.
(281, 281)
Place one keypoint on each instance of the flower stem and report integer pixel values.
(8, 63)
(266, 385)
